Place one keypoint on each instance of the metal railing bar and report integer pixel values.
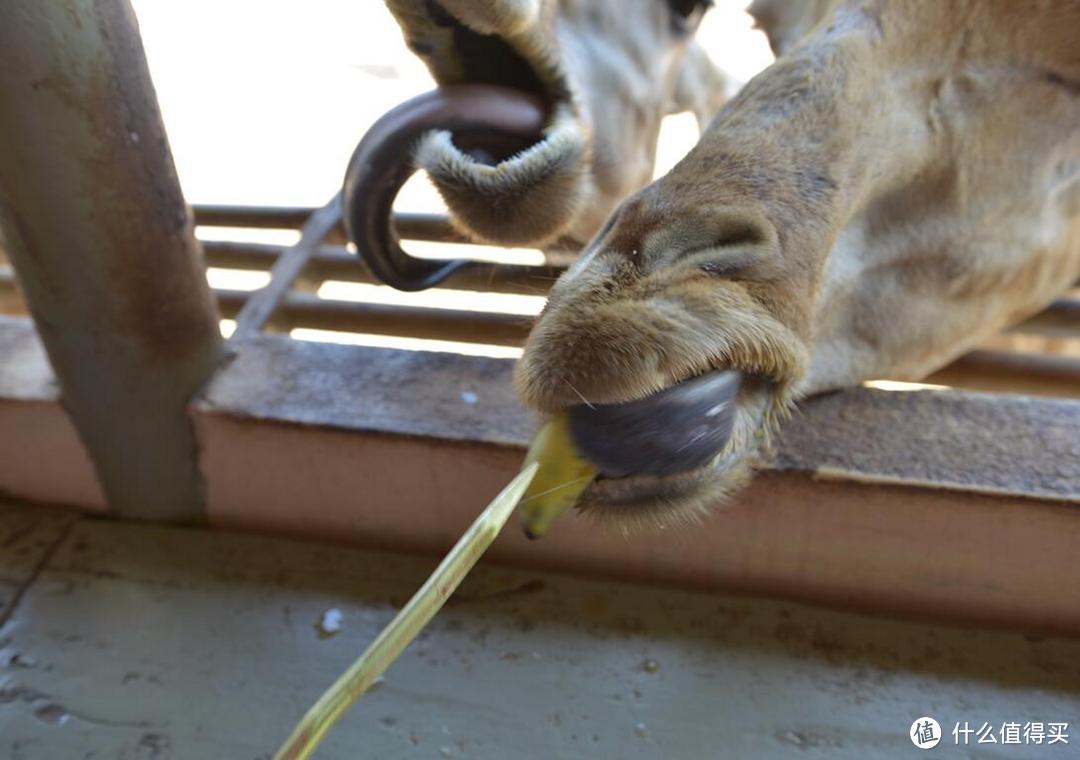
(410, 226)
(1008, 372)
(260, 306)
(306, 310)
(274, 217)
(335, 262)
(1061, 319)
(423, 227)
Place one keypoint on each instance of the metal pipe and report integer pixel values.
(335, 262)
(1009, 372)
(306, 310)
(430, 227)
(1061, 319)
(102, 242)
(260, 307)
(409, 226)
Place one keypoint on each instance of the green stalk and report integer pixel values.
(405, 626)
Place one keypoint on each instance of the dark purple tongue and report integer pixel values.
(678, 429)
(490, 121)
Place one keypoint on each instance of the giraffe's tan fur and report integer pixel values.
(903, 182)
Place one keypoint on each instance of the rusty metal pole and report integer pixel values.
(102, 243)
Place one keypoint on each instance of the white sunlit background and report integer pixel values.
(264, 102)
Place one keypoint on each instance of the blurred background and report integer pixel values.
(265, 101)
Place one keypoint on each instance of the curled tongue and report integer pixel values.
(678, 429)
(486, 121)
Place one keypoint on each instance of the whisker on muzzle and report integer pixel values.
(578, 393)
(559, 487)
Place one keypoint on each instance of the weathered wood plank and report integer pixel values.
(1002, 444)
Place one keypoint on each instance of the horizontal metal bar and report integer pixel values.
(336, 262)
(1009, 372)
(262, 304)
(280, 217)
(306, 310)
(409, 226)
(1061, 319)
(996, 371)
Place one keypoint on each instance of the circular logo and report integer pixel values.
(925, 733)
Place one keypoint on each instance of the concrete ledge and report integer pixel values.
(901, 549)
(135, 641)
(41, 456)
(947, 504)
(975, 442)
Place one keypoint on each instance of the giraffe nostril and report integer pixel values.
(728, 264)
(727, 259)
(738, 232)
(678, 429)
(723, 241)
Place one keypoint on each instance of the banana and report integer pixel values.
(562, 475)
